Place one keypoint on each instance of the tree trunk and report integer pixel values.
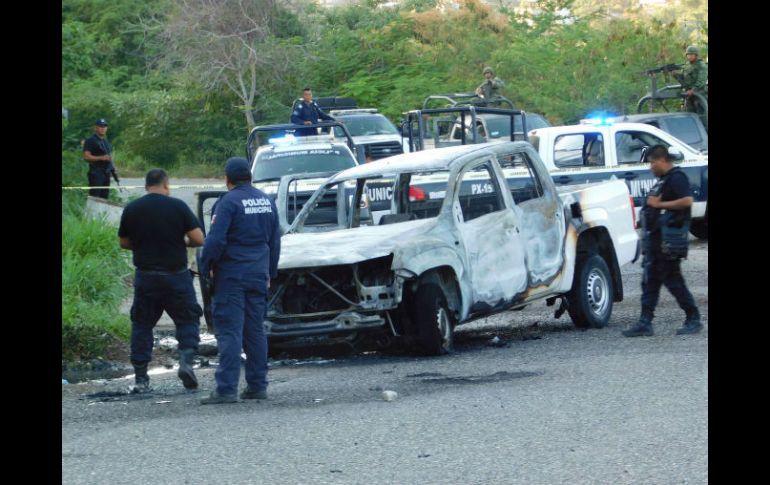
(250, 119)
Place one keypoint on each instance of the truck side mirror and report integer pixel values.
(675, 154)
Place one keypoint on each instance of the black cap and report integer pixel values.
(237, 169)
(102, 122)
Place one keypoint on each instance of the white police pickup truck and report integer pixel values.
(457, 243)
(602, 150)
(371, 130)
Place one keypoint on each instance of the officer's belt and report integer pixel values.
(159, 272)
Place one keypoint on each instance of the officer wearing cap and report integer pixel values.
(668, 204)
(308, 112)
(97, 151)
(695, 77)
(491, 86)
(241, 255)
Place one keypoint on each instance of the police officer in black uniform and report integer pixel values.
(97, 151)
(157, 228)
(306, 113)
(665, 222)
(242, 250)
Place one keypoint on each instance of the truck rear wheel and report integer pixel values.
(435, 323)
(591, 297)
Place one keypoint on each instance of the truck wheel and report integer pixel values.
(700, 228)
(590, 299)
(434, 320)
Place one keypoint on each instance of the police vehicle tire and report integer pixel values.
(435, 322)
(591, 297)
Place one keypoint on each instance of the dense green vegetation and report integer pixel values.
(94, 270)
(181, 97)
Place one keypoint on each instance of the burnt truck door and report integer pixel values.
(490, 237)
(543, 221)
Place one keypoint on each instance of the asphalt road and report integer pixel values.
(554, 405)
(189, 186)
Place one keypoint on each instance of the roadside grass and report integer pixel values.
(94, 283)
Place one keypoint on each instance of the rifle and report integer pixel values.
(111, 170)
(666, 68)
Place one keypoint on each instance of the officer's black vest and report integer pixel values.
(667, 229)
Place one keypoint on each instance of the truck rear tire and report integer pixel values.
(591, 297)
(435, 323)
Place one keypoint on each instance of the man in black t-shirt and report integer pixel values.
(97, 151)
(660, 267)
(158, 229)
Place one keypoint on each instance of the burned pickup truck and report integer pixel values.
(468, 247)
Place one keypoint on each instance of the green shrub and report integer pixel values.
(94, 274)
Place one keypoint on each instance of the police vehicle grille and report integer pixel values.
(385, 149)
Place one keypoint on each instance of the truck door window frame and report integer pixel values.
(646, 139)
(517, 161)
(465, 201)
(578, 155)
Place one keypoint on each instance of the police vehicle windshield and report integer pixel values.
(274, 165)
(366, 125)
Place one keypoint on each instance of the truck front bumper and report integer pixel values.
(344, 322)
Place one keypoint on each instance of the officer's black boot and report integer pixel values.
(642, 328)
(141, 379)
(691, 325)
(186, 369)
(253, 393)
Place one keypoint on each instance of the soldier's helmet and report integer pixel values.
(488, 70)
(692, 50)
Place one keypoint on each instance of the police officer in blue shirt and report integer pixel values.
(241, 250)
(306, 113)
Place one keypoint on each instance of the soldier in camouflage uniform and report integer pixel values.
(491, 86)
(695, 75)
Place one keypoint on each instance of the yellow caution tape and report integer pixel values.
(223, 186)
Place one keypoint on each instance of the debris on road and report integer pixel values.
(497, 342)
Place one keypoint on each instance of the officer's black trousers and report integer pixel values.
(153, 293)
(98, 177)
(657, 271)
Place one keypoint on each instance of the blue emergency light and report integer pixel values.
(601, 118)
(286, 139)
